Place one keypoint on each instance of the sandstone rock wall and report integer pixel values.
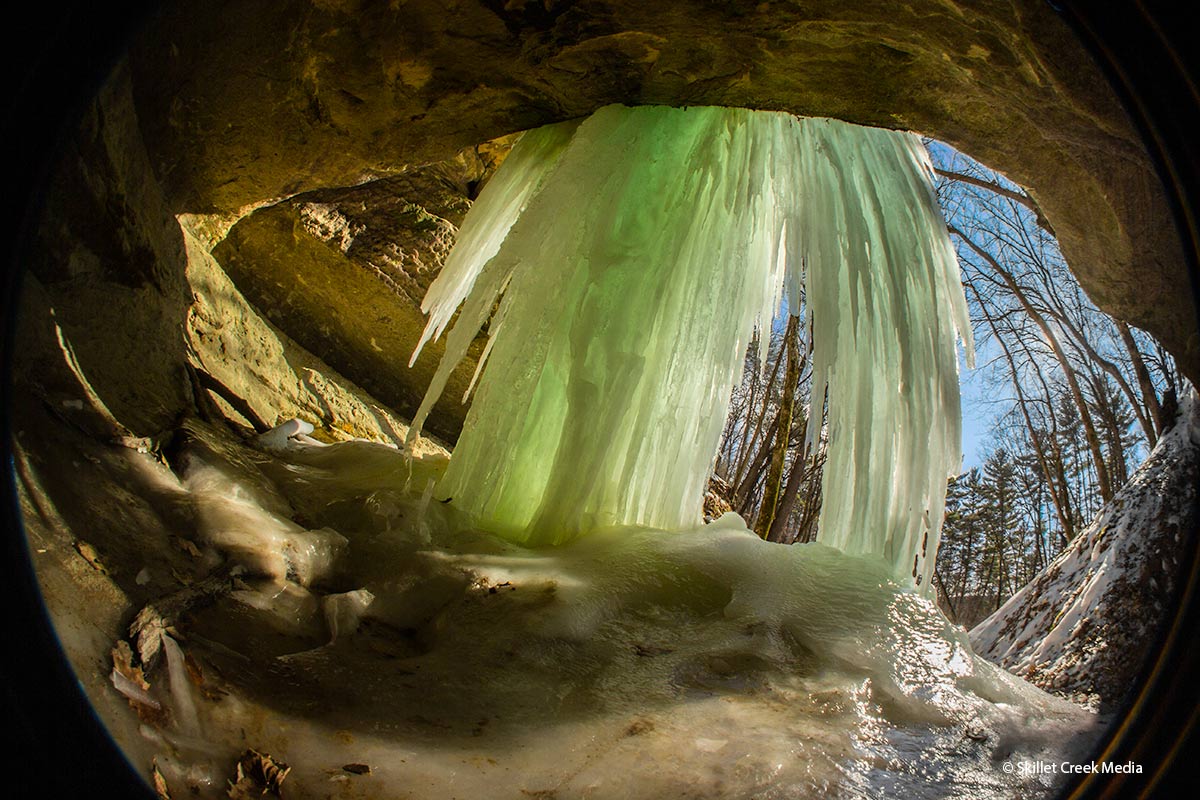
(106, 296)
(122, 306)
(246, 102)
(288, 136)
(344, 271)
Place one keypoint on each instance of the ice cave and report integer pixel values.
(367, 392)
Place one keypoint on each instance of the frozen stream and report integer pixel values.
(632, 663)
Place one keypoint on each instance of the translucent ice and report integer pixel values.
(633, 255)
(184, 705)
(885, 308)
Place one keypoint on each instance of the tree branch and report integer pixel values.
(995, 187)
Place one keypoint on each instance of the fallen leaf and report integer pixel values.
(147, 630)
(257, 774)
(196, 675)
(122, 656)
(188, 546)
(132, 684)
(90, 555)
(357, 769)
(160, 784)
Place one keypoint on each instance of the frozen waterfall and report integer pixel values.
(624, 263)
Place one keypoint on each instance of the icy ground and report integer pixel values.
(366, 626)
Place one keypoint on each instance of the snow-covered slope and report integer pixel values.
(1083, 626)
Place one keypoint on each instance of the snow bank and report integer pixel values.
(1082, 626)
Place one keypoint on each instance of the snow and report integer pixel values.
(1081, 626)
(632, 256)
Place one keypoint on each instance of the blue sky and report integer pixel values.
(979, 394)
(976, 411)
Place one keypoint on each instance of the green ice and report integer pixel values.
(621, 266)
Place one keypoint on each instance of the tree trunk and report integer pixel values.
(1064, 520)
(758, 463)
(791, 491)
(783, 430)
(748, 445)
(1114, 372)
(1116, 447)
(1149, 395)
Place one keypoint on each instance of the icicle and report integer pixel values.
(887, 308)
(500, 203)
(183, 703)
(636, 276)
(633, 256)
(472, 273)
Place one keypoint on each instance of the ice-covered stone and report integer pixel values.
(344, 611)
(287, 434)
(631, 662)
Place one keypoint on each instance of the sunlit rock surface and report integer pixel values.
(121, 299)
(210, 118)
(271, 377)
(231, 117)
(366, 625)
(1082, 626)
(343, 272)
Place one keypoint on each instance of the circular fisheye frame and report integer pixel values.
(257, 254)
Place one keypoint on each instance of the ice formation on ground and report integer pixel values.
(631, 663)
(632, 256)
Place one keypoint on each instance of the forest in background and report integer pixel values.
(1075, 401)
